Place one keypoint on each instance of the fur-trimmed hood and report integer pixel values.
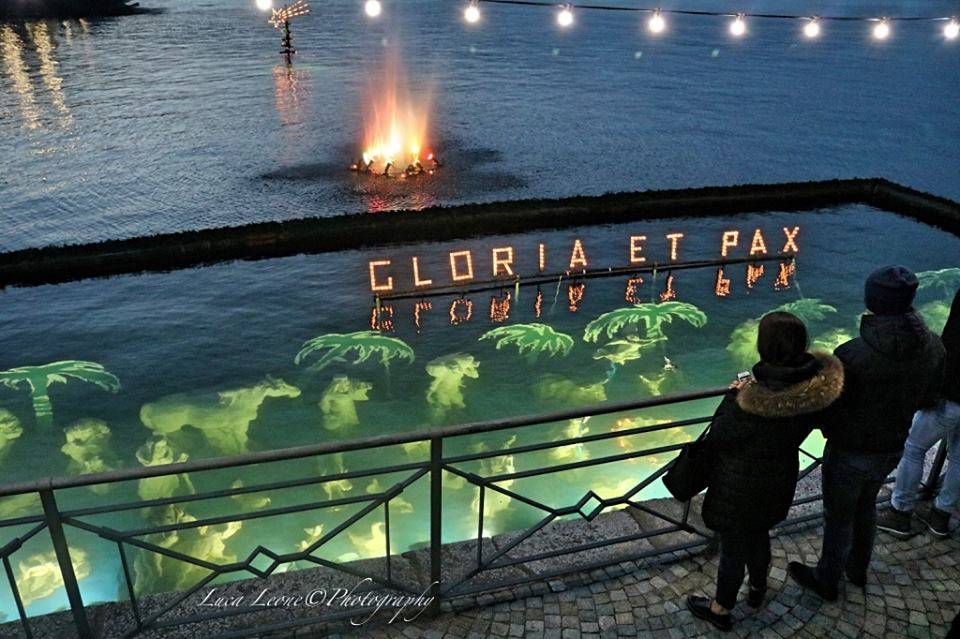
(809, 396)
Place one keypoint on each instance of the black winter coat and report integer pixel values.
(892, 370)
(754, 438)
(951, 342)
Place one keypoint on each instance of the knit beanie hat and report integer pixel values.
(890, 290)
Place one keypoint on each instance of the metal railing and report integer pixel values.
(438, 463)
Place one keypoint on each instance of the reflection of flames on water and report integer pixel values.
(395, 128)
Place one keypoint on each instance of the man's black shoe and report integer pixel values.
(807, 578)
(700, 607)
(755, 596)
(898, 523)
(859, 581)
(935, 519)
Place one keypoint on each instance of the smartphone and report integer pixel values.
(743, 376)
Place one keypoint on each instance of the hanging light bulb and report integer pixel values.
(882, 29)
(472, 13)
(264, 5)
(738, 27)
(656, 24)
(373, 8)
(812, 28)
(565, 17)
(952, 29)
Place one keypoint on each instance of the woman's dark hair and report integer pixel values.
(781, 339)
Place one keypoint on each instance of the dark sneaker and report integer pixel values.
(935, 519)
(700, 607)
(807, 578)
(755, 596)
(898, 523)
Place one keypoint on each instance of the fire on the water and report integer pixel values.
(366, 164)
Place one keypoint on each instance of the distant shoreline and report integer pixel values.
(39, 9)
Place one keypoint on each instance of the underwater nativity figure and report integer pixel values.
(575, 428)
(88, 449)
(494, 502)
(38, 576)
(339, 402)
(10, 431)
(223, 419)
(559, 388)
(448, 373)
(158, 452)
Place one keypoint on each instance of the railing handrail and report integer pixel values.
(325, 448)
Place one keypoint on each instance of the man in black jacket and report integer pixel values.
(892, 370)
(940, 423)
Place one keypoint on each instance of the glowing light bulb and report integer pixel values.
(264, 5)
(565, 17)
(951, 30)
(373, 8)
(472, 13)
(738, 27)
(812, 28)
(882, 30)
(657, 24)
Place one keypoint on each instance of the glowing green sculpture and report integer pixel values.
(338, 402)
(621, 351)
(494, 502)
(373, 544)
(337, 488)
(655, 383)
(39, 378)
(575, 428)
(652, 316)
(157, 452)
(448, 373)
(830, 340)
(250, 501)
(224, 418)
(531, 339)
(366, 344)
(946, 279)
(743, 339)
(555, 387)
(39, 574)
(10, 430)
(87, 448)
(935, 315)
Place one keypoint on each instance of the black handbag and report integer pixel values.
(689, 473)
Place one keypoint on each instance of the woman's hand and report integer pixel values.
(737, 384)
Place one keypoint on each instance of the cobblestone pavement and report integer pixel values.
(913, 591)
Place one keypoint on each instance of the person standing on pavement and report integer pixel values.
(892, 370)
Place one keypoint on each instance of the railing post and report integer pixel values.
(62, 551)
(933, 479)
(436, 524)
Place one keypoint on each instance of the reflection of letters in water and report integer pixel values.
(466, 265)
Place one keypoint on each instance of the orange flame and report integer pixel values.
(395, 124)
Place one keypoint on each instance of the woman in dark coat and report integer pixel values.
(754, 441)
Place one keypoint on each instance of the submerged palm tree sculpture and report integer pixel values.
(39, 378)
(365, 344)
(743, 339)
(531, 339)
(946, 279)
(652, 316)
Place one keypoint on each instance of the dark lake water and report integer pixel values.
(187, 119)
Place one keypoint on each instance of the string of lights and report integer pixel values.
(656, 23)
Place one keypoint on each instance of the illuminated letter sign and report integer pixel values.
(374, 286)
(674, 241)
(416, 274)
(454, 271)
(543, 257)
(730, 239)
(636, 248)
(506, 261)
(757, 245)
(791, 244)
(577, 256)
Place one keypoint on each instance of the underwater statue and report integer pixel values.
(338, 403)
(365, 344)
(158, 452)
(20, 505)
(88, 449)
(665, 376)
(250, 501)
(651, 317)
(653, 439)
(743, 339)
(946, 279)
(10, 431)
(337, 488)
(935, 315)
(531, 340)
(38, 576)
(38, 379)
(224, 419)
(371, 545)
(494, 503)
(448, 373)
(397, 505)
(556, 387)
(620, 351)
(830, 340)
(574, 428)
(155, 572)
(314, 534)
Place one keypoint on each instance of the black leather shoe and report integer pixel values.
(860, 581)
(807, 578)
(700, 607)
(755, 596)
